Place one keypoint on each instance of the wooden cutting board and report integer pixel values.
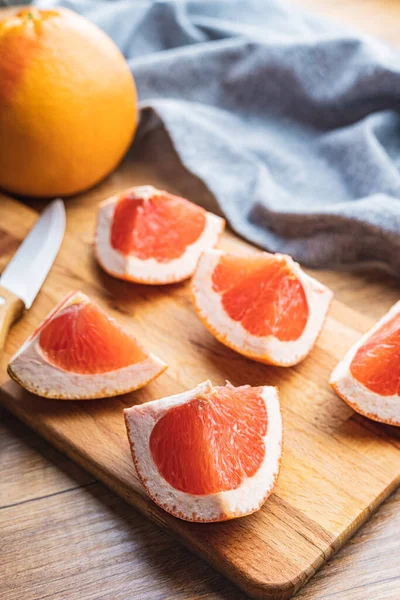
(337, 466)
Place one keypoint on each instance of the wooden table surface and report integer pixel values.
(64, 536)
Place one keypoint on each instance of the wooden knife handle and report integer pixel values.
(11, 308)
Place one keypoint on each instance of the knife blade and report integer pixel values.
(27, 270)
(24, 275)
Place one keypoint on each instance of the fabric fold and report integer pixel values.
(291, 122)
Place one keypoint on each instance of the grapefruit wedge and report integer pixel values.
(208, 454)
(150, 236)
(368, 378)
(80, 353)
(261, 305)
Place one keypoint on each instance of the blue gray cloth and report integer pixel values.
(290, 122)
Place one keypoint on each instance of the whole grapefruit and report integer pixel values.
(68, 105)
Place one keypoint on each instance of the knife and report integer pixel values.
(25, 273)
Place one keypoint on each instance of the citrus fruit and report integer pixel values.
(368, 377)
(150, 236)
(208, 454)
(261, 305)
(79, 352)
(68, 107)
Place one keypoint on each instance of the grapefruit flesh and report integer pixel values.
(208, 454)
(377, 363)
(150, 236)
(82, 338)
(368, 377)
(263, 295)
(187, 444)
(79, 352)
(159, 227)
(262, 305)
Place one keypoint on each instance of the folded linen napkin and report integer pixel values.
(290, 121)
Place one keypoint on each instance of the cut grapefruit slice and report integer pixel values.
(208, 454)
(368, 378)
(150, 236)
(80, 353)
(262, 305)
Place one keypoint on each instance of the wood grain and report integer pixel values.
(335, 470)
(93, 546)
(11, 308)
(25, 475)
(96, 540)
(376, 17)
(367, 567)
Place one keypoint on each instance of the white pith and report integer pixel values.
(369, 403)
(245, 499)
(30, 367)
(150, 270)
(265, 349)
